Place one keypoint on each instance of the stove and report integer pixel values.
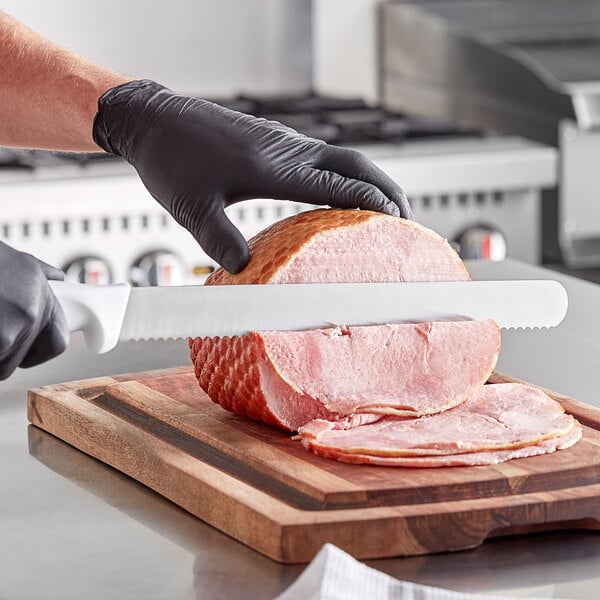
(525, 67)
(90, 214)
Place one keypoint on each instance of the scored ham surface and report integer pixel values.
(289, 378)
(498, 417)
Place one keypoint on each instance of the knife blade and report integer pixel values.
(108, 314)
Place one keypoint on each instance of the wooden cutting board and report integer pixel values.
(256, 484)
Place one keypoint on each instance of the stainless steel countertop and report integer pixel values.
(71, 527)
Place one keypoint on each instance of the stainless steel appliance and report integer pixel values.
(528, 67)
(92, 216)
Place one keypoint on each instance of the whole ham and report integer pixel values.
(394, 395)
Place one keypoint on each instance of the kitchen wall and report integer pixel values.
(213, 48)
(345, 48)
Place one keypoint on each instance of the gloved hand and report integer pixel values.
(196, 158)
(33, 328)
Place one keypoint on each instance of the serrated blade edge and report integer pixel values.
(190, 311)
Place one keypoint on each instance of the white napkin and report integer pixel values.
(335, 575)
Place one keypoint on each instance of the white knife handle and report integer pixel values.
(97, 310)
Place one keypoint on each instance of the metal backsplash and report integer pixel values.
(530, 67)
(214, 48)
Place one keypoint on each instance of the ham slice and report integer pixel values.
(289, 378)
(472, 459)
(498, 419)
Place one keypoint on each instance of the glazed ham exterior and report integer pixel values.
(289, 378)
(498, 418)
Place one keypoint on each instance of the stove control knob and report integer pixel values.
(88, 269)
(482, 242)
(159, 267)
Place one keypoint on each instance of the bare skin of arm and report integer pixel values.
(48, 95)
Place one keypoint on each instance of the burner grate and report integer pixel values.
(344, 121)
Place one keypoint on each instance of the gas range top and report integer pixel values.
(334, 120)
(343, 121)
(91, 215)
(28, 160)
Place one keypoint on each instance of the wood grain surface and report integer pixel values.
(256, 484)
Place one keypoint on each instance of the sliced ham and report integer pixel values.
(289, 378)
(472, 459)
(498, 418)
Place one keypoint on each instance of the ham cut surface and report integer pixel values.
(290, 378)
(336, 246)
(501, 421)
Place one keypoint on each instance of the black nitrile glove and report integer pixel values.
(196, 158)
(33, 328)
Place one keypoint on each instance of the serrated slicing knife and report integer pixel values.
(113, 313)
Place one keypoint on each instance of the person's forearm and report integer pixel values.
(48, 95)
